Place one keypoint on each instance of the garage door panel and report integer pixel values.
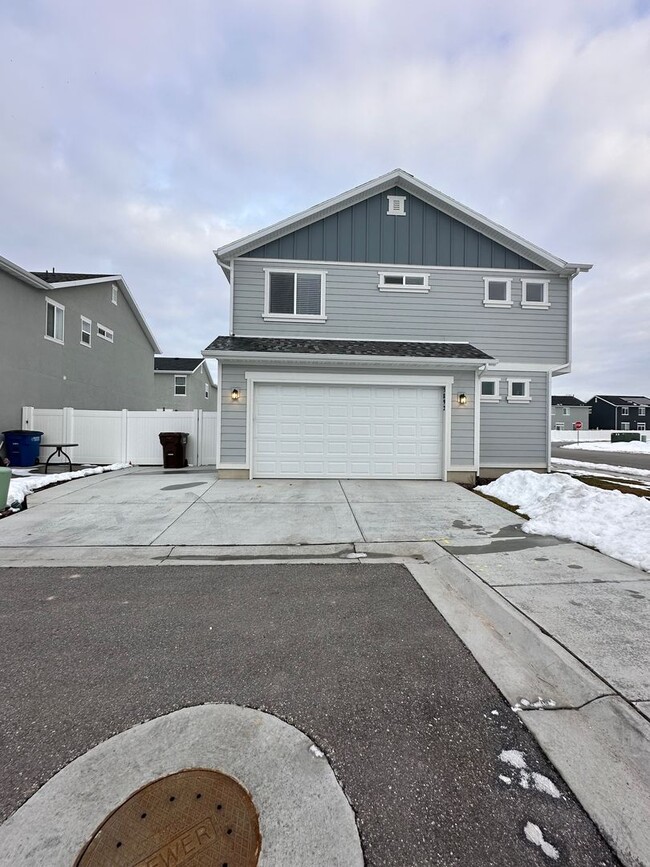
(360, 431)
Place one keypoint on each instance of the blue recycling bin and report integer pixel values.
(22, 447)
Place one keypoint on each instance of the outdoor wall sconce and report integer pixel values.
(234, 394)
(462, 399)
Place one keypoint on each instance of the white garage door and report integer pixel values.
(347, 431)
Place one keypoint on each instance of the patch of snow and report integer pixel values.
(505, 780)
(356, 556)
(524, 702)
(543, 784)
(19, 488)
(524, 779)
(558, 505)
(316, 752)
(514, 758)
(534, 835)
(494, 712)
(600, 469)
(635, 447)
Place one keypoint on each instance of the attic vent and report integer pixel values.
(396, 206)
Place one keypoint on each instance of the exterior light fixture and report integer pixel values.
(234, 394)
(462, 399)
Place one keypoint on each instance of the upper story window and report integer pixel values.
(490, 390)
(86, 331)
(498, 292)
(396, 206)
(566, 411)
(207, 391)
(534, 293)
(104, 332)
(625, 410)
(642, 410)
(519, 391)
(180, 386)
(403, 282)
(114, 293)
(295, 295)
(54, 320)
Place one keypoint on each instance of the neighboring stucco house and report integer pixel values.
(75, 340)
(184, 383)
(619, 412)
(567, 410)
(390, 332)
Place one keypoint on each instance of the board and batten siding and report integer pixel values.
(233, 413)
(452, 310)
(365, 232)
(516, 434)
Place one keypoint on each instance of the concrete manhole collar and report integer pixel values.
(198, 815)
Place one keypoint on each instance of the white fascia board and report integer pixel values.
(383, 266)
(22, 274)
(310, 358)
(126, 292)
(398, 177)
(525, 367)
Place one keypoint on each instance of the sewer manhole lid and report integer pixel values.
(197, 817)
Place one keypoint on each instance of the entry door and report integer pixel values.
(347, 431)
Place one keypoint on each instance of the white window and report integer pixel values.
(104, 332)
(625, 425)
(498, 292)
(640, 425)
(490, 390)
(207, 391)
(559, 425)
(403, 282)
(519, 390)
(396, 206)
(625, 410)
(114, 293)
(86, 331)
(566, 411)
(180, 386)
(534, 293)
(641, 411)
(54, 320)
(295, 295)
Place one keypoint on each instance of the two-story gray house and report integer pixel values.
(184, 383)
(75, 340)
(566, 410)
(390, 332)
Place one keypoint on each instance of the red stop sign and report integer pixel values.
(577, 425)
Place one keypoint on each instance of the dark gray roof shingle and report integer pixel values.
(406, 348)
(166, 364)
(625, 400)
(67, 276)
(566, 400)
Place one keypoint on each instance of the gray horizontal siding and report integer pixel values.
(365, 232)
(452, 310)
(516, 432)
(233, 414)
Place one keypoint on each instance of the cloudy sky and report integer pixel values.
(138, 135)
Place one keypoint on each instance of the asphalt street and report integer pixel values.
(617, 459)
(354, 655)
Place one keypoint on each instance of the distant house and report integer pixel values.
(619, 412)
(567, 410)
(184, 383)
(70, 339)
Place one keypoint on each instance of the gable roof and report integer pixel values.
(71, 279)
(622, 400)
(170, 364)
(411, 184)
(21, 274)
(566, 400)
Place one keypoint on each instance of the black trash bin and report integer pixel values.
(174, 445)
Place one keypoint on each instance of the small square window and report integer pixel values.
(207, 391)
(534, 293)
(54, 320)
(519, 390)
(490, 390)
(180, 386)
(86, 331)
(498, 292)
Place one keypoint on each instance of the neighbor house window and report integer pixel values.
(489, 390)
(114, 293)
(404, 282)
(86, 331)
(104, 332)
(207, 391)
(559, 425)
(566, 411)
(54, 320)
(180, 386)
(299, 294)
(640, 425)
(519, 390)
(642, 411)
(498, 292)
(534, 293)
(625, 425)
(625, 410)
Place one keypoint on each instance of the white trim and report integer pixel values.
(523, 465)
(312, 358)
(293, 317)
(404, 287)
(334, 263)
(490, 398)
(232, 466)
(182, 376)
(625, 411)
(516, 366)
(524, 398)
(50, 303)
(400, 211)
(463, 468)
(411, 290)
(262, 376)
(549, 420)
(219, 402)
(477, 421)
(544, 304)
(640, 425)
(489, 302)
(21, 274)
(64, 284)
(89, 322)
(231, 281)
(370, 340)
(108, 334)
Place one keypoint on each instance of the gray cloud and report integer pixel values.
(137, 137)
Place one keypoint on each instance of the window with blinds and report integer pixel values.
(296, 293)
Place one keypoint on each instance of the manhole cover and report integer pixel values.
(198, 817)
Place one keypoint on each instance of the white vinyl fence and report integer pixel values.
(587, 436)
(107, 437)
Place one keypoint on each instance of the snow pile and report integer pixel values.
(19, 488)
(536, 837)
(600, 469)
(635, 447)
(559, 505)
